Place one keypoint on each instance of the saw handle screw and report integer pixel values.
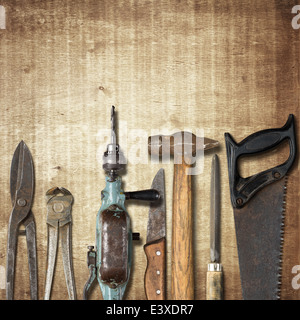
(239, 201)
(277, 175)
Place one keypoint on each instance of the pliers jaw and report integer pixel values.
(59, 205)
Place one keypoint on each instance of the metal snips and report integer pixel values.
(59, 205)
(21, 191)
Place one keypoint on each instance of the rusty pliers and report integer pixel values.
(21, 191)
(59, 203)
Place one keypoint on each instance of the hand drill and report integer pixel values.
(111, 262)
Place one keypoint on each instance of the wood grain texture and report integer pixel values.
(182, 272)
(222, 66)
(214, 285)
(155, 275)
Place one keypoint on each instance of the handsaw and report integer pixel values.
(155, 247)
(259, 207)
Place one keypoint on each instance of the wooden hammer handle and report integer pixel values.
(182, 270)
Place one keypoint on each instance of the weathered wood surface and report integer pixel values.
(222, 66)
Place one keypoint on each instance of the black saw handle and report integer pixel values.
(243, 189)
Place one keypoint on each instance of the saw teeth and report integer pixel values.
(283, 212)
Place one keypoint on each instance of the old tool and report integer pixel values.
(111, 262)
(21, 192)
(183, 145)
(259, 207)
(155, 247)
(59, 219)
(214, 275)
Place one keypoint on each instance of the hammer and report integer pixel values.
(184, 146)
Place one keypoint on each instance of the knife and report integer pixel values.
(155, 247)
(214, 276)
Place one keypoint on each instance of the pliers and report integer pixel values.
(59, 204)
(21, 191)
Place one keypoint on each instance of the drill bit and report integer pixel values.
(113, 126)
(113, 159)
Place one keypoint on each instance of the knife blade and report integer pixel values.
(155, 247)
(214, 276)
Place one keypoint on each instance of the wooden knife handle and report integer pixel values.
(182, 281)
(155, 275)
(214, 285)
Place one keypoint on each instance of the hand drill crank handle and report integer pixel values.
(144, 195)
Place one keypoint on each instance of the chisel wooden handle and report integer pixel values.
(214, 282)
(182, 271)
(155, 275)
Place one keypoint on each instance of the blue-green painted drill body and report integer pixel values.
(112, 195)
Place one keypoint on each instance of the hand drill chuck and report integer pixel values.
(113, 159)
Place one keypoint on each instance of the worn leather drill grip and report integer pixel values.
(114, 239)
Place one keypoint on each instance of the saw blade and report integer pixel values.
(259, 232)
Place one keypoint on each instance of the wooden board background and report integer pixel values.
(222, 66)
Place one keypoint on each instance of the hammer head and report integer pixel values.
(181, 143)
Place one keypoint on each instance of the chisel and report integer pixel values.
(214, 276)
